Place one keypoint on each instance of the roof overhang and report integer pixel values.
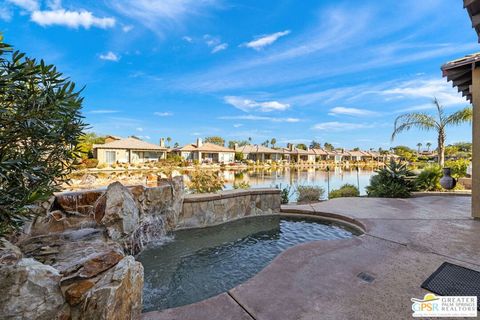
(473, 9)
(459, 71)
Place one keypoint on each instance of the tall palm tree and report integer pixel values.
(419, 145)
(427, 122)
(169, 140)
(428, 146)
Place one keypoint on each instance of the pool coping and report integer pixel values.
(374, 228)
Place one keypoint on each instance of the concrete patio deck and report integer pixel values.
(405, 241)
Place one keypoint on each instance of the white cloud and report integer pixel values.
(71, 19)
(5, 14)
(103, 111)
(220, 47)
(54, 4)
(29, 5)
(187, 38)
(351, 112)
(110, 56)
(140, 129)
(127, 28)
(260, 118)
(163, 114)
(341, 126)
(265, 40)
(252, 105)
(237, 125)
(160, 15)
(426, 88)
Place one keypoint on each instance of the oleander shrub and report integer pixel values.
(392, 181)
(347, 190)
(309, 193)
(40, 126)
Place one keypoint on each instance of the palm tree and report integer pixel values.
(428, 146)
(419, 145)
(169, 140)
(427, 122)
(273, 142)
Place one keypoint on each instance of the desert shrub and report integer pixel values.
(40, 124)
(429, 179)
(458, 167)
(102, 166)
(347, 190)
(241, 185)
(205, 181)
(90, 163)
(391, 182)
(285, 193)
(309, 193)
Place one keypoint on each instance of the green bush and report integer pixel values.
(347, 190)
(458, 167)
(241, 185)
(429, 179)
(285, 193)
(238, 156)
(40, 125)
(205, 181)
(309, 193)
(391, 182)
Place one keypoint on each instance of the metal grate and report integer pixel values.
(452, 280)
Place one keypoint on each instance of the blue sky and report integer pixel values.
(333, 71)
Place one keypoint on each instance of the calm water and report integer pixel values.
(256, 178)
(201, 263)
(308, 176)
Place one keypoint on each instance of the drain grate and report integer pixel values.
(366, 277)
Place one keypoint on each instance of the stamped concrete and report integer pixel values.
(405, 241)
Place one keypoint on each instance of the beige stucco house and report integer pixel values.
(259, 153)
(206, 153)
(128, 150)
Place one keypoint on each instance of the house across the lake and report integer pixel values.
(128, 150)
(206, 153)
(259, 153)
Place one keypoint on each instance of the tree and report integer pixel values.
(438, 123)
(428, 146)
(302, 146)
(169, 139)
(86, 142)
(315, 145)
(231, 143)
(328, 146)
(176, 145)
(215, 140)
(419, 145)
(40, 127)
(273, 142)
(250, 139)
(265, 143)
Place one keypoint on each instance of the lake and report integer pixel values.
(257, 178)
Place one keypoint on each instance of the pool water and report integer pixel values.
(200, 263)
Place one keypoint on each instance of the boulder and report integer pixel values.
(116, 295)
(30, 290)
(121, 216)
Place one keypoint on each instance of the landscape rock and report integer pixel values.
(121, 212)
(117, 295)
(30, 290)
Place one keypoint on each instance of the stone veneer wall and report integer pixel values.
(200, 210)
(74, 260)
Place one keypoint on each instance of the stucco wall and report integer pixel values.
(200, 210)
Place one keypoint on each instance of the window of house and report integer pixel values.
(110, 156)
